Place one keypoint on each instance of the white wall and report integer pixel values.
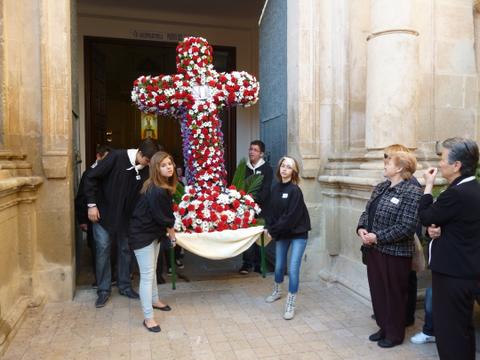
(122, 23)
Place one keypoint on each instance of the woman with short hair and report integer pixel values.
(387, 228)
(455, 254)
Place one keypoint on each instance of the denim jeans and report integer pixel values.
(251, 256)
(281, 256)
(103, 243)
(428, 326)
(147, 264)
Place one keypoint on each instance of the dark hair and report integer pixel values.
(465, 151)
(260, 144)
(148, 147)
(102, 149)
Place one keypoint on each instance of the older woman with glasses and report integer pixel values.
(386, 228)
(455, 253)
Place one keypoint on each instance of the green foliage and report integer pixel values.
(436, 191)
(253, 183)
(239, 175)
(177, 197)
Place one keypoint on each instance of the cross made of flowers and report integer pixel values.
(196, 95)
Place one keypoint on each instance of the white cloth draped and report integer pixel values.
(220, 245)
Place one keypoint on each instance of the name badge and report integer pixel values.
(394, 200)
(258, 172)
(138, 177)
(284, 195)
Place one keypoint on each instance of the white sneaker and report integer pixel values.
(276, 294)
(422, 338)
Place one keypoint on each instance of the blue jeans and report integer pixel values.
(428, 326)
(281, 255)
(147, 264)
(103, 271)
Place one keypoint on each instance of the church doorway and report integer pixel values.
(111, 65)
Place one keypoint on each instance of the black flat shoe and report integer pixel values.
(102, 300)
(377, 336)
(163, 308)
(130, 293)
(155, 329)
(385, 343)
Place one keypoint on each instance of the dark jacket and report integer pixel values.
(288, 216)
(262, 196)
(114, 189)
(457, 211)
(152, 216)
(395, 219)
(81, 210)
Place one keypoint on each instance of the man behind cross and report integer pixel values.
(257, 165)
(81, 209)
(112, 189)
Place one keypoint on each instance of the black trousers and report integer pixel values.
(453, 301)
(388, 280)
(412, 297)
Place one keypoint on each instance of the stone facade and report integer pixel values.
(36, 237)
(368, 74)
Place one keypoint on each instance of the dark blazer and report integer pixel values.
(457, 211)
(114, 189)
(395, 219)
(152, 216)
(263, 194)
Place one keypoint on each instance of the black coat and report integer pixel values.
(457, 211)
(262, 196)
(152, 216)
(114, 189)
(288, 216)
(81, 210)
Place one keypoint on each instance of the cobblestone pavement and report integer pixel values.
(222, 319)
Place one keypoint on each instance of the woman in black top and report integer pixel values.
(455, 253)
(151, 221)
(288, 224)
(386, 228)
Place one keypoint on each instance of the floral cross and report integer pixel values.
(196, 94)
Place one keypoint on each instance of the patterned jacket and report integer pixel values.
(396, 217)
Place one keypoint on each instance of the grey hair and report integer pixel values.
(465, 151)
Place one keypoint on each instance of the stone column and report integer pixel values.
(392, 73)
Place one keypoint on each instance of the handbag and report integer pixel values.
(418, 258)
(365, 250)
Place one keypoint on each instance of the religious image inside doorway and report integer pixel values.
(111, 66)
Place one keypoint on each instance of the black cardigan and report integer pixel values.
(288, 216)
(457, 211)
(152, 216)
(114, 189)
